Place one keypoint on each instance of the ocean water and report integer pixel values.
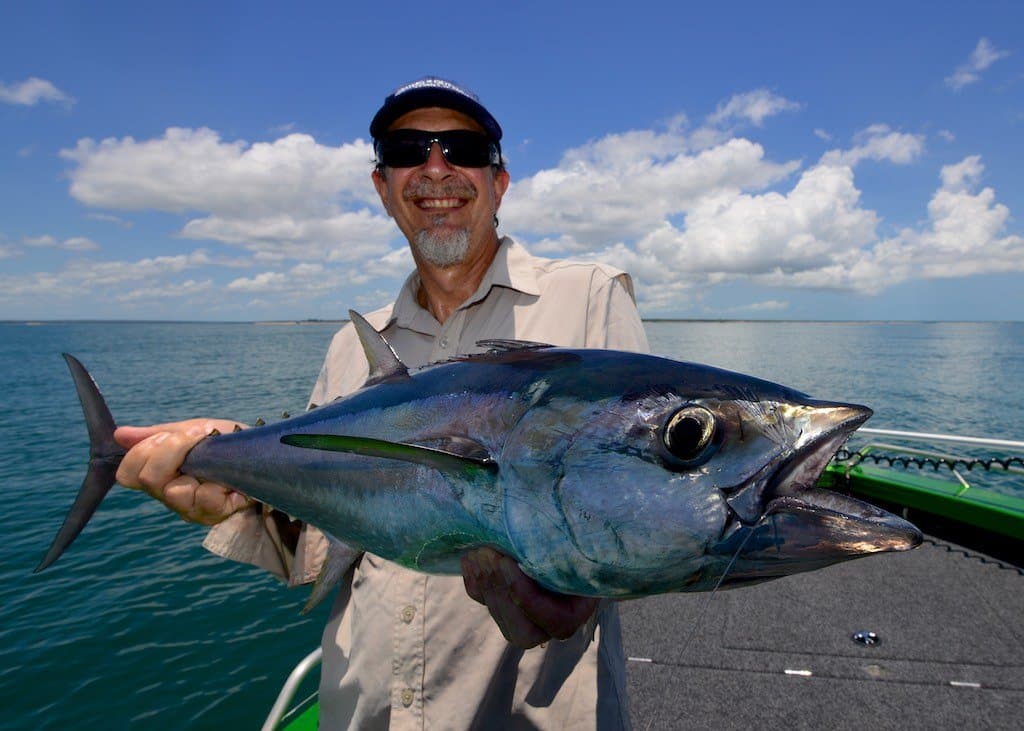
(138, 627)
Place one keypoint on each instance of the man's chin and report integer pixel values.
(442, 246)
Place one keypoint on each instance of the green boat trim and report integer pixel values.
(307, 720)
(949, 508)
(943, 504)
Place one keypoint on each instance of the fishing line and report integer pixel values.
(711, 595)
(704, 610)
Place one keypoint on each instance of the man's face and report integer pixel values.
(446, 212)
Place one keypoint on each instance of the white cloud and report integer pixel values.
(161, 294)
(963, 175)
(45, 241)
(108, 218)
(81, 277)
(731, 235)
(620, 186)
(32, 91)
(683, 221)
(291, 198)
(343, 236)
(765, 306)
(95, 274)
(299, 280)
(75, 243)
(194, 170)
(682, 210)
(79, 243)
(984, 55)
(878, 142)
(752, 106)
(964, 235)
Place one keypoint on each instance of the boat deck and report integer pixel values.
(780, 654)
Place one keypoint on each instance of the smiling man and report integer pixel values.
(491, 649)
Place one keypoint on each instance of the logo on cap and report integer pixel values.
(432, 82)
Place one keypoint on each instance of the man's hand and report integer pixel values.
(153, 464)
(527, 613)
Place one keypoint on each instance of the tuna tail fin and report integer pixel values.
(104, 456)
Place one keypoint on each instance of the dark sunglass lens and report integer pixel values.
(406, 148)
(467, 149)
(402, 151)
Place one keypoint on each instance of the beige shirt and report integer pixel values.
(412, 650)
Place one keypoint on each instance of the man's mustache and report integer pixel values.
(454, 189)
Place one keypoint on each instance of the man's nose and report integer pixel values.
(437, 164)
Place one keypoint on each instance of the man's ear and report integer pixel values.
(381, 184)
(501, 183)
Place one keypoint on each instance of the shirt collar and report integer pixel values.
(512, 268)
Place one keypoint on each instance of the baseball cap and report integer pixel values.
(432, 91)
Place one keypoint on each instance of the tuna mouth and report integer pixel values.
(816, 430)
(800, 523)
(842, 525)
(800, 472)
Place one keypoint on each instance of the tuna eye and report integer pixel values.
(689, 434)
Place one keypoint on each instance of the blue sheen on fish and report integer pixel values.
(602, 473)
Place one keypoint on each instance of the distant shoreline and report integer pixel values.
(313, 321)
(299, 322)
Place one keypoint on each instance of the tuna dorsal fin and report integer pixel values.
(384, 362)
(504, 346)
(471, 455)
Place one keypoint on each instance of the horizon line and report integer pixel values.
(342, 321)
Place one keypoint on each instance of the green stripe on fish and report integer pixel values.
(439, 459)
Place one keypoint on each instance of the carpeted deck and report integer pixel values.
(780, 655)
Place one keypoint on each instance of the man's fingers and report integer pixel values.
(129, 436)
(489, 583)
(155, 461)
(556, 614)
(155, 453)
(153, 464)
(514, 624)
(471, 578)
(206, 503)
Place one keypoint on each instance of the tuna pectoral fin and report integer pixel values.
(339, 560)
(104, 457)
(471, 456)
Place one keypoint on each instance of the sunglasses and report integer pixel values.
(409, 148)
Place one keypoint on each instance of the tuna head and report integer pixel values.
(707, 474)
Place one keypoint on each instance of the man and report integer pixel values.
(401, 648)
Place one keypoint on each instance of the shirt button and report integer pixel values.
(408, 613)
(407, 696)
(443, 342)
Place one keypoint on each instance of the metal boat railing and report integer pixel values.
(936, 458)
(291, 686)
(929, 437)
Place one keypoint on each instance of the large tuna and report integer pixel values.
(602, 473)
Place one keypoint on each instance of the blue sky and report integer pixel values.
(210, 161)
